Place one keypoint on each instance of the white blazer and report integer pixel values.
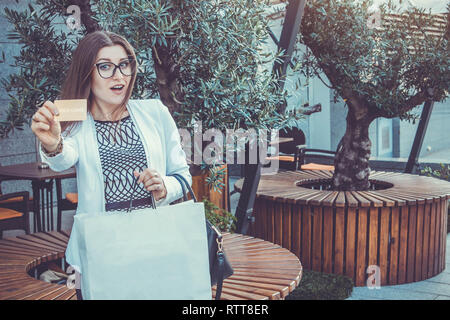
(161, 140)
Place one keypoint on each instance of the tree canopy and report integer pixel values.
(204, 59)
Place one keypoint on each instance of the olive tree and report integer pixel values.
(382, 64)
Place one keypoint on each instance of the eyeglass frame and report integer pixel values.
(115, 68)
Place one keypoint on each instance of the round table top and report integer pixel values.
(30, 171)
(406, 189)
(262, 270)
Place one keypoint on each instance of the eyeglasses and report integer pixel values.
(108, 69)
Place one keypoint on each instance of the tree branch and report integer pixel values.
(89, 23)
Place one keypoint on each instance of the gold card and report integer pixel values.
(71, 110)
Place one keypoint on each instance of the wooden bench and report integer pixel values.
(399, 226)
(262, 270)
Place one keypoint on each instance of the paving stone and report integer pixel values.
(425, 287)
(443, 277)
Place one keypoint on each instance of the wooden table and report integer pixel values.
(262, 270)
(400, 226)
(42, 185)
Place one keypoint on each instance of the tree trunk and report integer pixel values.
(167, 74)
(352, 157)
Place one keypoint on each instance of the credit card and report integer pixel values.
(71, 110)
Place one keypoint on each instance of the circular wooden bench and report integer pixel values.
(262, 270)
(399, 226)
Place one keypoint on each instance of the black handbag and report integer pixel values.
(219, 266)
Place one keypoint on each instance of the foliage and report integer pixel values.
(222, 219)
(218, 52)
(45, 52)
(216, 55)
(443, 172)
(389, 69)
(322, 286)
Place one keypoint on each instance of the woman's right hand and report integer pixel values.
(46, 128)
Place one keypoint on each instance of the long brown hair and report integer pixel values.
(77, 84)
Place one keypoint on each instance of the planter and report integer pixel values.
(399, 225)
(202, 190)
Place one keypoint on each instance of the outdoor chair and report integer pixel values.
(288, 151)
(70, 202)
(321, 159)
(14, 212)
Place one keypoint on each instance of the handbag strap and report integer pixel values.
(184, 184)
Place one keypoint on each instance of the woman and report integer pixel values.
(121, 141)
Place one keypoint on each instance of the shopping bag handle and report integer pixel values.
(153, 203)
(184, 184)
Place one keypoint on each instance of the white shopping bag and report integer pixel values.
(144, 254)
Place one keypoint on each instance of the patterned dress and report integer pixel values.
(121, 152)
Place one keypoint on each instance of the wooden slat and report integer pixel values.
(387, 202)
(243, 286)
(57, 294)
(411, 243)
(403, 245)
(394, 246)
(317, 239)
(351, 201)
(306, 242)
(350, 256)
(33, 239)
(270, 222)
(437, 238)
(287, 229)
(373, 237)
(59, 235)
(426, 241)
(327, 239)
(278, 224)
(432, 251)
(32, 244)
(280, 282)
(296, 230)
(43, 254)
(27, 244)
(42, 293)
(261, 219)
(384, 244)
(363, 202)
(443, 236)
(51, 240)
(37, 290)
(419, 242)
(444, 208)
(361, 247)
(339, 241)
(67, 295)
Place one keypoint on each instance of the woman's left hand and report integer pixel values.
(152, 181)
